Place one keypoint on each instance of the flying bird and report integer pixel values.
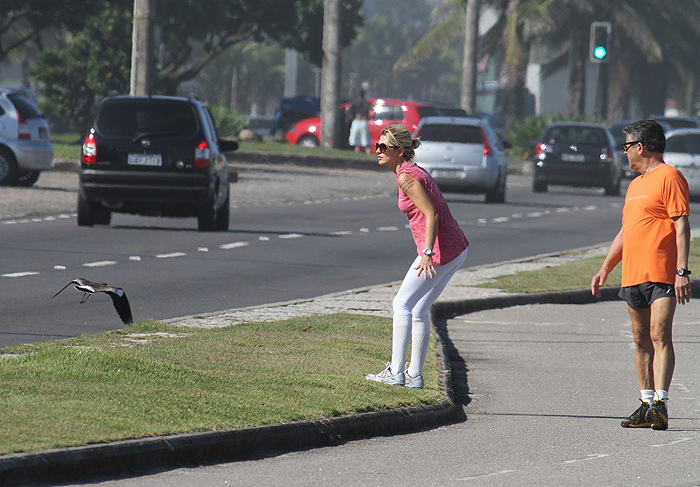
(121, 304)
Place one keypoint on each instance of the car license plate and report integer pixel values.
(145, 160)
(573, 157)
(447, 173)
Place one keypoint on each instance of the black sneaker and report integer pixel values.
(658, 415)
(639, 418)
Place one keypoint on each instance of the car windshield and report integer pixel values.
(25, 107)
(464, 134)
(689, 143)
(576, 135)
(136, 118)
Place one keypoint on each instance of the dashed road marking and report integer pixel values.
(387, 229)
(341, 233)
(20, 274)
(101, 263)
(170, 255)
(291, 235)
(233, 245)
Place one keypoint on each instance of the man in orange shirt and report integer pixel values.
(653, 245)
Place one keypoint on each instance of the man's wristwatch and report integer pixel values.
(683, 272)
(429, 252)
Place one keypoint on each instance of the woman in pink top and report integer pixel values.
(441, 247)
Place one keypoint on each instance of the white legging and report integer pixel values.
(412, 313)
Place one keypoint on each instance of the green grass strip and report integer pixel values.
(154, 379)
(572, 275)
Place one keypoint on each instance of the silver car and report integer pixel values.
(683, 152)
(464, 155)
(25, 140)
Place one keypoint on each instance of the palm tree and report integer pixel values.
(512, 34)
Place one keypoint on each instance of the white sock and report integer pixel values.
(399, 344)
(661, 396)
(647, 395)
(419, 350)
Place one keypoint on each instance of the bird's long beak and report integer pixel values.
(61, 290)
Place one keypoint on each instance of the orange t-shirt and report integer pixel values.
(649, 245)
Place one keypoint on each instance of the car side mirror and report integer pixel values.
(228, 145)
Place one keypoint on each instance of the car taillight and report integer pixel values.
(540, 150)
(202, 155)
(89, 154)
(487, 147)
(22, 128)
(606, 154)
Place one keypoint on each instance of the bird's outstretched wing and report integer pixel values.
(121, 304)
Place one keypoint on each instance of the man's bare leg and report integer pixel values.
(643, 346)
(661, 333)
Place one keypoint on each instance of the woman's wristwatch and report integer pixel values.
(429, 252)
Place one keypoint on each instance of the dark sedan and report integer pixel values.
(577, 154)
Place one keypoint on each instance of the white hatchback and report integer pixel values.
(25, 140)
(683, 152)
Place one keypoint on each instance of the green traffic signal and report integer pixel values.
(600, 52)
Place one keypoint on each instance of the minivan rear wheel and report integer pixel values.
(86, 215)
(206, 217)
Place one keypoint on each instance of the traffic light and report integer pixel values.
(600, 42)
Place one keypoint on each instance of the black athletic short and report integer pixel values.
(642, 295)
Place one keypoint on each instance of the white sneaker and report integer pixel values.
(387, 377)
(415, 382)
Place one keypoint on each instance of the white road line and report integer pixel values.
(502, 219)
(387, 229)
(483, 476)
(60, 267)
(202, 249)
(171, 255)
(481, 221)
(135, 258)
(20, 274)
(563, 210)
(590, 208)
(264, 238)
(536, 214)
(594, 456)
(364, 230)
(679, 440)
(233, 245)
(101, 263)
(10, 222)
(517, 215)
(342, 233)
(291, 235)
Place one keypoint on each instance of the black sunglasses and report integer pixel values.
(383, 147)
(626, 145)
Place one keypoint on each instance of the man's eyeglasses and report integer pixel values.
(626, 145)
(383, 147)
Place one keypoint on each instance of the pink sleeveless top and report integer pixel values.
(450, 241)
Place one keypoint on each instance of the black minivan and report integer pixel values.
(577, 154)
(155, 156)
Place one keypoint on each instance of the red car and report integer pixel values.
(384, 112)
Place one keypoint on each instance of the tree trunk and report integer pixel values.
(471, 39)
(620, 84)
(330, 77)
(142, 47)
(578, 54)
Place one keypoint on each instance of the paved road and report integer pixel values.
(547, 388)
